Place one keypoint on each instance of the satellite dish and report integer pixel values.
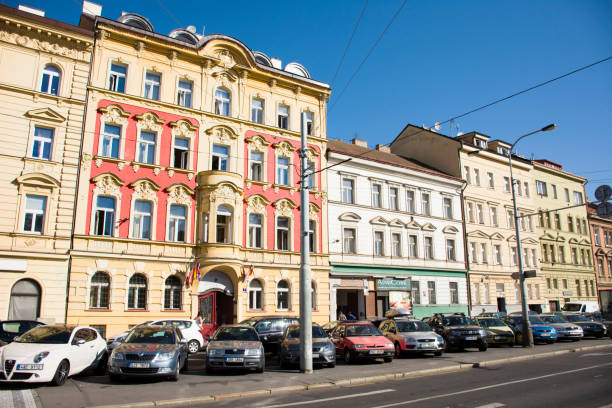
(437, 126)
(191, 29)
(603, 193)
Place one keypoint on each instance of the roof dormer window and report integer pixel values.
(480, 143)
(503, 151)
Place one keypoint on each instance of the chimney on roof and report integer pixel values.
(383, 148)
(92, 9)
(359, 142)
(276, 63)
(31, 10)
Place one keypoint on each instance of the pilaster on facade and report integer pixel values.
(601, 239)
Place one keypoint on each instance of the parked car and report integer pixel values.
(354, 339)
(188, 327)
(117, 339)
(330, 326)
(412, 336)
(150, 350)
(565, 330)
(235, 346)
(541, 331)
(459, 331)
(499, 315)
(52, 353)
(10, 329)
(581, 307)
(271, 329)
(589, 326)
(498, 332)
(323, 351)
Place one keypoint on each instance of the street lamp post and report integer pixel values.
(526, 329)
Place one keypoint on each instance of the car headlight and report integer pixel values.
(118, 356)
(408, 339)
(329, 347)
(214, 352)
(482, 332)
(38, 358)
(252, 352)
(440, 339)
(389, 345)
(164, 356)
(359, 346)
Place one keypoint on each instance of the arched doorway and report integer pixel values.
(25, 300)
(215, 301)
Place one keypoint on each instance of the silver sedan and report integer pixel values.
(235, 346)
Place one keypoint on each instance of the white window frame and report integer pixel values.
(222, 104)
(379, 243)
(257, 112)
(139, 218)
(426, 204)
(35, 213)
(255, 295)
(184, 152)
(280, 290)
(254, 231)
(282, 121)
(393, 198)
(428, 245)
(114, 77)
(376, 195)
(52, 72)
(396, 244)
(286, 230)
(42, 142)
(184, 93)
(222, 159)
(148, 146)
(152, 83)
(174, 222)
(349, 241)
(451, 249)
(348, 195)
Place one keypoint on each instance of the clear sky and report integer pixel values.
(439, 59)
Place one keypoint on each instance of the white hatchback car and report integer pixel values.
(189, 329)
(52, 353)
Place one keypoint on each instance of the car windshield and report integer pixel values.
(577, 318)
(535, 320)
(317, 332)
(354, 330)
(571, 307)
(554, 319)
(46, 335)
(17, 328)
(490, 322)
(412, 326)
(458, 321)
(236, 333)
(151, 335)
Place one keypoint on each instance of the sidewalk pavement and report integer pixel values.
(196, 386)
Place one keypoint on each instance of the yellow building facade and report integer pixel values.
(44, 66)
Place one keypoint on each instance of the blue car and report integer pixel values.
(542, 332)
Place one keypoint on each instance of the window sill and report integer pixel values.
(283, 187)
(94, 309)
(136, 310)
(173, 310)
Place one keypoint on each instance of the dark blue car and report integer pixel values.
(541, 331)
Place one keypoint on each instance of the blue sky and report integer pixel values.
(439, 59)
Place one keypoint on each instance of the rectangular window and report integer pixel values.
(412, 246)
(510, 218)
(479, 214)
(491, 180)
(507, 184)
(312, 236)
(116, 78)
(596, 236)
(152, 83)
(396, 245)
(562, 254)
(282, 234)
(578, 198)
(467, 175)
(256, 166)
(393, 198)
(110, 141)
(493, 214)
(454, 293)
(477, 177)
(483, 253)
(43, 140)
(473, 252)
(283, 117)
(105, 216)
(348, 191)
(447, 204)
(34, 214)
(379, 243)
(526, 189)
(570, 224)
(184, 92)
(309, 176)
(257, 110)
(410, 201)
(282, 171)
(450, 250)
(574, 256)
(348, 246)
(541, 188)
(255, 231)
(222, 102)
(497, 254)
(376, 192)
(517, 184)
(557, 222)
(429, 248)
(554, 191)
(308, 118)
(220, 158)
(146, 147)
(425, 204)
(141, 225)
(176, 223)
(513, 256)
(181, 153)
(470, 212)
(567, 194)
(578, 289)
(431, 292)
(415, 289)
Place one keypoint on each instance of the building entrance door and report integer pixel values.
(553, 305)
(217, 308)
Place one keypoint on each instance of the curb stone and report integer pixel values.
(184, 401)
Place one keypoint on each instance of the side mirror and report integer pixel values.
(78, 342)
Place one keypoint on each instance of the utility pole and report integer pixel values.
(305, 272)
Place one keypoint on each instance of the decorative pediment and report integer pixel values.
(379, 221)
(573, 241)
(396, 223)
(530, 241)
(413, 225)
(180, 193)
(107, 184)
(511, 238)
(227, 189)
(145, 189)
(585, 241)
(548, 237)
(313, 211)
(350, 217)
(257, 203)
(37, 180)
(560, 238)
(311, 154)
(222, 134)
(477, 234)
(284, 149)
(46, 114)
(284, 207)
(182, 128)
(449, 229)
(258, 143)
(149, 121)
(496, 236)
(428, 227)
(600, 252)
(114, 114)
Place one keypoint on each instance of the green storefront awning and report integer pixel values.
(391, 271)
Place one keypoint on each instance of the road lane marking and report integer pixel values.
(363, 394)
(492, 405)
(595, 354)
(395, 404)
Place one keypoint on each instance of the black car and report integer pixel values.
(459, 331)
(589, 327)
(271, 329)
(9, 329)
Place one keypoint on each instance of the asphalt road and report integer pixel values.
(571, 380)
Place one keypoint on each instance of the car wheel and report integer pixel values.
(348, 357)
(398, 350)
(260, 369)
(483, 347)
(387, 359)
(193, 346)
(599, 335)
(438, 353)
(61, 374)
(102, 365)
(176, 375)
(331, 365)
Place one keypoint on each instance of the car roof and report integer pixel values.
(350, 322)
(271, 317)
(245, 326)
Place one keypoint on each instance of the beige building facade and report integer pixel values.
(44, 66)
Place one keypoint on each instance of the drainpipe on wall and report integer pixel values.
(465, 238)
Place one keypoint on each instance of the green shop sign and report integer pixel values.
(392, 284)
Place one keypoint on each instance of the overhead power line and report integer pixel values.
(170, 14)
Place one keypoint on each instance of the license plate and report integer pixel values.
(315, 355)
(545, 334)
(234, 359)
(376, 351)
(138, 365)
(29, 366)
(425, 346)
(471, 338)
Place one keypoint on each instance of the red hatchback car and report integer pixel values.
(356, 339)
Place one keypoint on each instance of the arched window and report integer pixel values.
(137, 292)
(99, 291)
(282, 295)
(25, 300)
(255, 295)
(224, 224)
(222, 102)
(172, 293)
(50, 80)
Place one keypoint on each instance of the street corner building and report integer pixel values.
(188, 196)
(44, 66)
